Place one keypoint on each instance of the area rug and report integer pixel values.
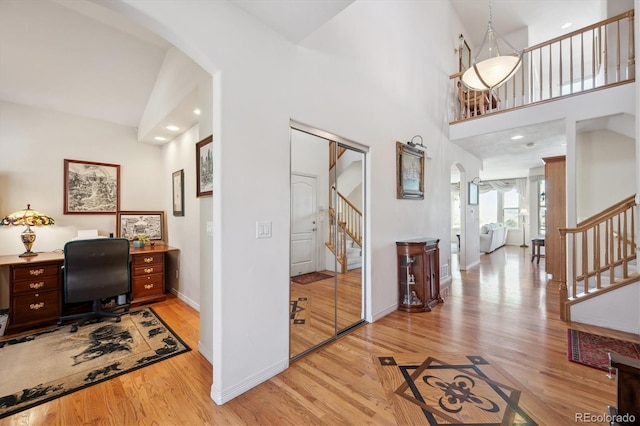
(311, 277)
(593, 350)
(298, 311)
(446, 389)
(45, 365)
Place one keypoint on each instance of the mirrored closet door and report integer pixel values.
(327, 238)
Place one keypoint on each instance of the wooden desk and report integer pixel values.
(35, 284)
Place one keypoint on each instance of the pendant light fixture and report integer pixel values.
(490, 68)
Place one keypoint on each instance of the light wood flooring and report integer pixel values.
(503, 309)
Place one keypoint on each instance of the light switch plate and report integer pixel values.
(263, 229)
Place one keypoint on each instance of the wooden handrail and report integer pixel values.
(588, 59)
(597, 254)
(346, 220)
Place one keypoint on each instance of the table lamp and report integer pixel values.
(28, 218)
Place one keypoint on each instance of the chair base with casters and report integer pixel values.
(94, 270)
(96, 313)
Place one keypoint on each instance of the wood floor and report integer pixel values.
(503, 309)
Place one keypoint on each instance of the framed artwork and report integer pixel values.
(91, 188)
(465, 56)
(130, 224)
(410, 172)
(204, 167)
(178, 193)
(473, 194)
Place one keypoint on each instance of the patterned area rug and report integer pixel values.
(593, 350)
(310, 277)
(45, 365)
(445, 389)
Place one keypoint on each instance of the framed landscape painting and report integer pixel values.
(91, 188)
(130, 224)
(204, 167)
(178, 193)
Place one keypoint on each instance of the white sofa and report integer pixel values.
(492, 237)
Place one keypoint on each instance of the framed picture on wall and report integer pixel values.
(91, 188)
(130, 224)
(178, 193)
(473, 194)
(204, 167)
(410, 172)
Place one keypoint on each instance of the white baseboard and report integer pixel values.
(185, 299)
(205, 353)
(386, 311)
(220, 397)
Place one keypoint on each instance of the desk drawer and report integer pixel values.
(34, 271)
(36, 285)
(148, 285)
(153, 268)
(33, 307)
(147, 259)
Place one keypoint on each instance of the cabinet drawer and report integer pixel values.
(36, 285)
(34, 307)
(35, 271)
(153, 268)
(147, 259)
(148, 285)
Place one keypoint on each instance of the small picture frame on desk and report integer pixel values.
(178, 193)
(130, 224)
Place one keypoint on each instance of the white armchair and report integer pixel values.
(492, 237)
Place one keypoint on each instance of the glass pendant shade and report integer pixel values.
(490, 69)
(27, 218)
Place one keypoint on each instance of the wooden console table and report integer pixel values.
(35, 285)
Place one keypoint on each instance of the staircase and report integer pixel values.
(345, 232)
(598, 256)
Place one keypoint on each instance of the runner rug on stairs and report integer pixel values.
(311, 277)
(48, 364)
(593, 350)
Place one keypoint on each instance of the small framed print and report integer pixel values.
(130, 224)
(204, 167)
(410, 172)
(178, 193)
(91, 188)
(473, 194)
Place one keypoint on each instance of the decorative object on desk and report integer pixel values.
(409, 171)
(91, 188)
(204, 167)
(45, 365)
(474, 193)
(28, 218)
(592, 350)
(130, 224)
(140, 241)
(178, 193)
(491, 68)
(524, 213)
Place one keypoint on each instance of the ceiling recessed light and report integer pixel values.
(530, 145)
(516, 137)
(196, 111)
(172, 128)
(160, 138)
(566, 25)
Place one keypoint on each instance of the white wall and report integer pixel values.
(33, 146)
(605, 170)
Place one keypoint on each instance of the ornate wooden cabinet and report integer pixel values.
(418, 274)
(34, 294)
(147, 277)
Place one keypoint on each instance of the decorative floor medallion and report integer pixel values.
(438, 389)
(298, 311)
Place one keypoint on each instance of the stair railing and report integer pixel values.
(596, 254)
(346, 219)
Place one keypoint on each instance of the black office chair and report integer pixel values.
(93, 270)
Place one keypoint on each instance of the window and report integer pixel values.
(488, 207)
(542, 208)
(510, 208)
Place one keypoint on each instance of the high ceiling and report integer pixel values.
(79, 58)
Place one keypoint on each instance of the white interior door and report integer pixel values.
(303, 224)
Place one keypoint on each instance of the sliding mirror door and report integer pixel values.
(327, 238)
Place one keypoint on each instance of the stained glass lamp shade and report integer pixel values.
(28, 218)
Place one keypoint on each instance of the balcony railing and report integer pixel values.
(595, 57)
